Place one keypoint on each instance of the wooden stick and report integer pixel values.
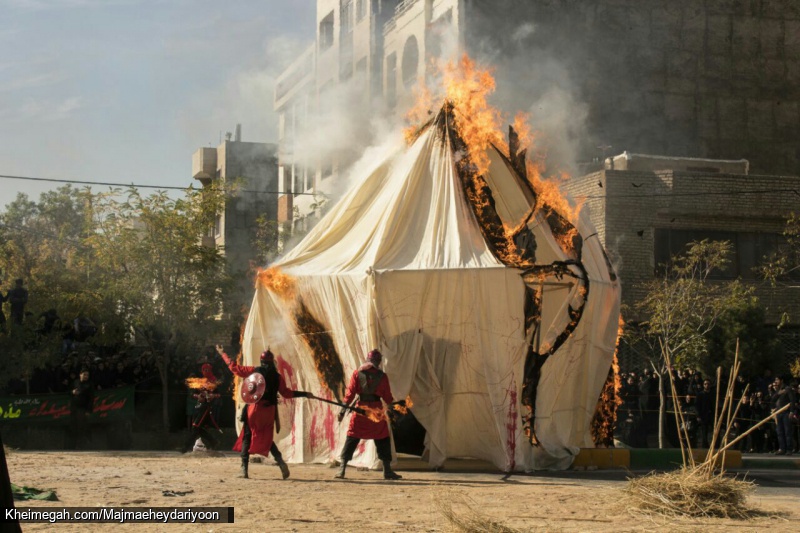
(746, 433)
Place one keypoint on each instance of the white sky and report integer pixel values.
(127, 90)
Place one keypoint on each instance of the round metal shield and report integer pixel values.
(252, 389)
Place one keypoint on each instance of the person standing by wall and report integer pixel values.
(783, 396)
(81, 407)
(18, 297)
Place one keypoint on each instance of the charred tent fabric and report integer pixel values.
(496, 315)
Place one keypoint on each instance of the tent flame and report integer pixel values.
(276, 281)
(604, 421)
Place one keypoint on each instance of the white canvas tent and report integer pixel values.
(400, 264)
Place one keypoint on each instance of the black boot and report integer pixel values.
(388, 473)
(340, 473)
(244, 469)
(284, 468)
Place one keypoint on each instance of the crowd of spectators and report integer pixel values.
(698, 397)
(105, 373)
(112, 371)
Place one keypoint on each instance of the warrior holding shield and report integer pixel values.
(259, 390)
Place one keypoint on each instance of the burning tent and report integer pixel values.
(496, 314)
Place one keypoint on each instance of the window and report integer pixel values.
(347, 17)
(346, 70)
(327, 170)
(438, 31)
(749, 249)
(297, 181)
(218, 226)
(361, 75)
(361, 10)
(410, 61)
(391, 80)
(326, 32)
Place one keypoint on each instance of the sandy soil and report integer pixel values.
(311, 500)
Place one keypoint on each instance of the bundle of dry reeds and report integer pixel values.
(689, 492)
(700, 489)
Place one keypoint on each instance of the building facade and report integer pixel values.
(254, 168)
(681, 78)
(648, 211)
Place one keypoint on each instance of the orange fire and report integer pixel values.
(605, 417)
(200, 384)
(403, 410)
(376, 414)
(467, 87)
(276, 281)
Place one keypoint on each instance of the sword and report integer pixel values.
(342, 405)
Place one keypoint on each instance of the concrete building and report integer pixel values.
(717, 80)
(347, 50)
(254, 167)
(648, 212)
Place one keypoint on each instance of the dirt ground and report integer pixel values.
(311, 500)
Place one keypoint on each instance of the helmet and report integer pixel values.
(208, 372)
(375, 357)
(267, 357)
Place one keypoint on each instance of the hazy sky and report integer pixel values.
(127, 90)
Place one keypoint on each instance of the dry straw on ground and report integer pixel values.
(462, 515)
(459, 511)
(690, 492)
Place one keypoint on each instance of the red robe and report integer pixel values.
(362, 427)
(260, 417)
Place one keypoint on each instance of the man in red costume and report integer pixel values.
(204, 425)
(258, 418)
(371, 385)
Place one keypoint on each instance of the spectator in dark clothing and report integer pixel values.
(81, 406)
(2, 314)
(649, 401)
(783, 396)
(742, 423)
(704, 404)
(49, 320)
(122, 376)
(104, 379)
(18, 297)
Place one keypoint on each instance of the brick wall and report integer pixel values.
(631, 205)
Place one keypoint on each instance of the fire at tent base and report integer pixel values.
(502, 338)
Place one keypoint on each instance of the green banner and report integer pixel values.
(109, 405)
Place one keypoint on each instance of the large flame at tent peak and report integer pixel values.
(466, 86)
(281, 284)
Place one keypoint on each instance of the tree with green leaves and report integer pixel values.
(744, 322)
(44, 244)
(134, 264)
(681, 307)
(167, 286)
(782, 269)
